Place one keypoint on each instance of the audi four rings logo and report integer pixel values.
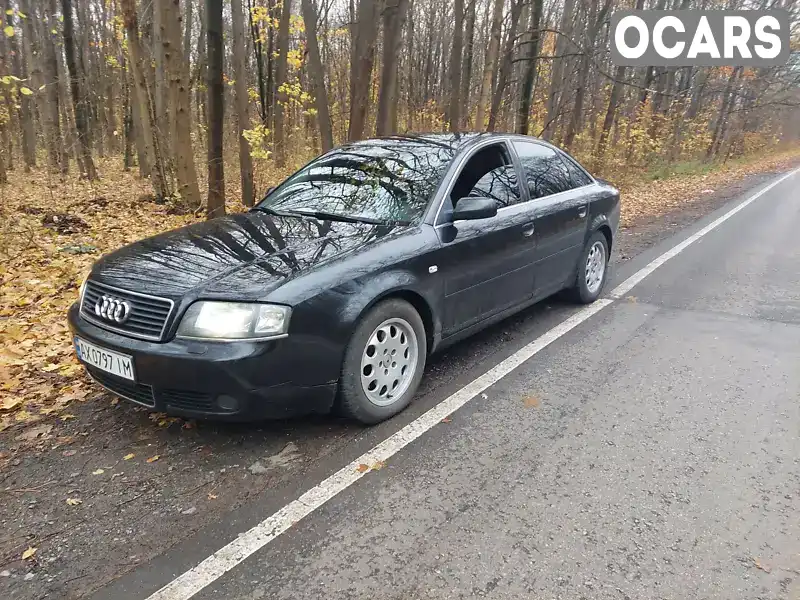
(112, 309)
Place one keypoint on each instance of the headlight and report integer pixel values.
(234, 321)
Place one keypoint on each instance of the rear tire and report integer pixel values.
(383, 363)
(592, 270)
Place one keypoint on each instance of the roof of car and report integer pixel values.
(455, 141)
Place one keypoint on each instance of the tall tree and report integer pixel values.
(557, 87)
(455, 65)
(216, 110)
(317, 74)
(242, 100)
(506, 63)
(144, 113)
(55, 144)
(596, 21)
(469, 54)
(363, 57)
(180, 119)
(530, 54)
(489, 64)
(281, 71)
(394, 16)
(79, 101)
(25, 101)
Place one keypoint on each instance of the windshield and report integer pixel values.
(388, 180)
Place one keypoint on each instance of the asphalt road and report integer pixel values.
(653, 451)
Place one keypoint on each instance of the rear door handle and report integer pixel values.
(582, 212)
(527, 231)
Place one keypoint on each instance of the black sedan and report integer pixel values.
(332, 292)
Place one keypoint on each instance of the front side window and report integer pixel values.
(545, 172)
(389, 180)
(489, 173)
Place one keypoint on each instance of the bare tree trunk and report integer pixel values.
(280, 78)
(144, 107)
(317, 74)
(411, 73)
(179, 100)
(6, 151)
(161, 87)
(394, 16)
(42, 77)
(455, 65)
(25, 101)
(728, 100)
(488, 67)
(555, 97)
(595, 23)
(258, 49)
(361, 68)
(216, 110)
(506, 63)
(529, 71)
(469, 53)
(242, 115)
(78, 98)
(187, 35)
(611, 113)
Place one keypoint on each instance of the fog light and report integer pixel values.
(228, 403)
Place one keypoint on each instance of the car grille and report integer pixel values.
(148, 315)
(188, 400)
(140, 393)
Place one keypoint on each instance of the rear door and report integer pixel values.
(487, 264)
(560, 210)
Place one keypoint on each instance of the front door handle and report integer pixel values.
(527, 231)
(582, 212)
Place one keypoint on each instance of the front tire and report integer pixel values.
(592, 270)
(383, 363)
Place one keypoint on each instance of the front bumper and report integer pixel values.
(237, 381)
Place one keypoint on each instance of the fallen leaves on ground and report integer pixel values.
(128, 456)
(29, 553)
(98, 471)
(531, 402)
(153, 459)
(760, 565)
(74, 501)
(376, 466)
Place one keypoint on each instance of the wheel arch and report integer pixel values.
(602, 224)
(415, 299)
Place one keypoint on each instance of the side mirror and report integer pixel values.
(471, 208)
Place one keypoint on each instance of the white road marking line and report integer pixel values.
(229, 556)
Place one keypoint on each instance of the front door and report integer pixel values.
(486, 264)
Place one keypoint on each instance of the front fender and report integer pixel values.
(422, 294)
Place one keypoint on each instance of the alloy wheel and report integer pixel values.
(389, 361)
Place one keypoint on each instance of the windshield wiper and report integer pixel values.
(329, 216)
(278, 213)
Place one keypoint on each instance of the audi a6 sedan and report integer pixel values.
(332, 292)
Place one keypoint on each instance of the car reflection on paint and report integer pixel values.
(332, 292)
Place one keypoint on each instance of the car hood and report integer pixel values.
(235, 254)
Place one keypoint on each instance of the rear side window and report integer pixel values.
(577, 174)
(545, 172)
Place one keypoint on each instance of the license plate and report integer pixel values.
(115, 363)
